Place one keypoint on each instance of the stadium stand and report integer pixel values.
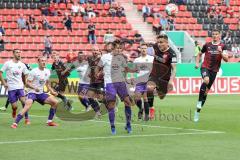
(193, 18)
(31, 41)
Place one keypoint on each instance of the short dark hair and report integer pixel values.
(15, 50)
(143, 44)
(116, 43)
(216, 30)
(164, 36)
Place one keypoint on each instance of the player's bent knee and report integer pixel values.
(150, 88)
(206, 80)
(54, 103)
(14, 105)
(111, 105)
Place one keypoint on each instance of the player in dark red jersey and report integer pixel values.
(214, 52)
(164, 67)
(96, 83)
(62, 72)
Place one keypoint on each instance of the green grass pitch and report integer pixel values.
(172, 136)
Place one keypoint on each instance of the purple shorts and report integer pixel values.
(40, 98)
(83, 88)
(14, 95)
(141, 88)
(112, 89)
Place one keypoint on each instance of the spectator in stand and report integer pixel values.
(164, 23)
(90, 12)
(226, 2)
(67, 21)
(48, 46)
(229, 12)
(214, 12)
(124, 38)
(218, 12)
(52, 9)
(112, 11)
(211, 11)
(91, 33)
(2, 30)
(161, 24)
(75, 9)
(156, 26)
(44, 10)
(180, 2)
(44, 1)
(171, 23)
(138, 38)
(227, 38)
(83, 1)
(82, 10)
(198, 49)
(22, 23)
(146, 12)
(108, 37)
(102, 1)
(236, 50)
(32, 22)
(120, 12)
(46, 25)
(2, 42)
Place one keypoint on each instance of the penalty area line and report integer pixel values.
(106, 137)
(141, 125)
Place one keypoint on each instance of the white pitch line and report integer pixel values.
(143, 125)
(152, 126)
(106, 137)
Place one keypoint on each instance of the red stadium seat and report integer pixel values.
(25, 46)
(233, 27)
(21, 40)
(38, 40)
(28, 39)
(182, 8)
(12, 39)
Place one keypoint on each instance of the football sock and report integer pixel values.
(18, 119)
(94, 104)
(128, 114)
(146, 108)
(51, 114)
(7, 103)
(26, 114)
(139, 104)
(84, 102)
(111, 116)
